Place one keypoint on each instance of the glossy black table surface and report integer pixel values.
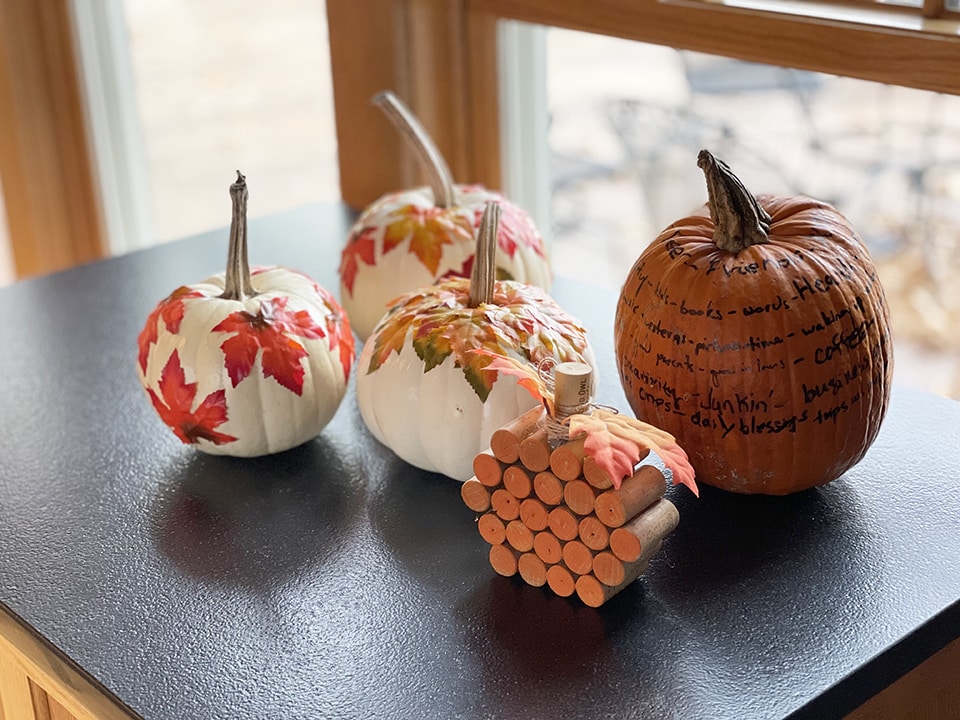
(334, 581)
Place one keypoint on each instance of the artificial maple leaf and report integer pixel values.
(428, 230)
(614, 442)
(338, 331)
(170, 311)
(464, 272)
(176, 403)
(527, 376)
(362, 248)
(268, 330)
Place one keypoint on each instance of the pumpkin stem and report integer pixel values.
(237, 284)
(441, 180)
(483, 274)
(740, 220)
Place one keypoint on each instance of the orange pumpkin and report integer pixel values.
(757, 333)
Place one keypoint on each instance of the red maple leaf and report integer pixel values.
(338, 331)
(268, 330)
(464, 272)
(361, 246)
(170, 311)
(175, 407)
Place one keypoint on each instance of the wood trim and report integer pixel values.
(16, 698)
(926, 56)
(50, 193)
(928, 691)
(366, 56)
(66, 685)
(440, 58)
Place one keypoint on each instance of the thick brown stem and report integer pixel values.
(484, 272)
(441, 180)
(740, 220)
(237, 284)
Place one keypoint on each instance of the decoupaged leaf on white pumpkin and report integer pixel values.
(175, 406)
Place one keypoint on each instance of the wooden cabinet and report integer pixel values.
(36, 683)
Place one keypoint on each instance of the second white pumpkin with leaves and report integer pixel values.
(424, 388)
(415, 237)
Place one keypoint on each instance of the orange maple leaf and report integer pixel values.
(360, 247)
(614, 442)
(428, 230)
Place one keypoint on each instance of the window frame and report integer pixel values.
(458, 102)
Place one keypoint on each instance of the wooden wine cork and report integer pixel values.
(579, 496)
(566, 460)
(649, 527)
(532, 569)
(519, 536)
(517, 481)
(475, 496)
(561, 580)
(547, 547)
(572, 386)
(503, 560)
(548, 488)
(563, 523)
(577, 557)
(533, 514)
(611, 570)
(535, 451)
(608, 568)
(636, 493)
(492, 528)
(505, 505)
(487, 469)
(594, 593)
(505, 441)
(593, 533)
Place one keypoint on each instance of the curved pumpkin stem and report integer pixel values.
(237, 284)
(740, 220)
(483, 274)
(441, 180)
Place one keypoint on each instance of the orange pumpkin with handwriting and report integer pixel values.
(757, 333)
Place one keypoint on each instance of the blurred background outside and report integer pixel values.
(626, 121)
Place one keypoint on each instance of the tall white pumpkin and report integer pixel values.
(412, 238)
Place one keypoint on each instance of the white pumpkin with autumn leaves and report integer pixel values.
(424, 388)
(412, 238)
(246, 363)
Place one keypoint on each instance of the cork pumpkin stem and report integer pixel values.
(438, 172)
(237, 284)
(739, 219)
(483, 274)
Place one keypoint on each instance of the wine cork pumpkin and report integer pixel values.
(593, 531)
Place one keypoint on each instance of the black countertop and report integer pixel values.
(335, 581)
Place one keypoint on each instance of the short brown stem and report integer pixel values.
(441, 180)
(237, 284)
(740, 220)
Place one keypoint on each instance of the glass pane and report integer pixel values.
(232, 84)
(627, 122)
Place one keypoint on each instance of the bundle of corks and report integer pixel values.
(552, 515)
